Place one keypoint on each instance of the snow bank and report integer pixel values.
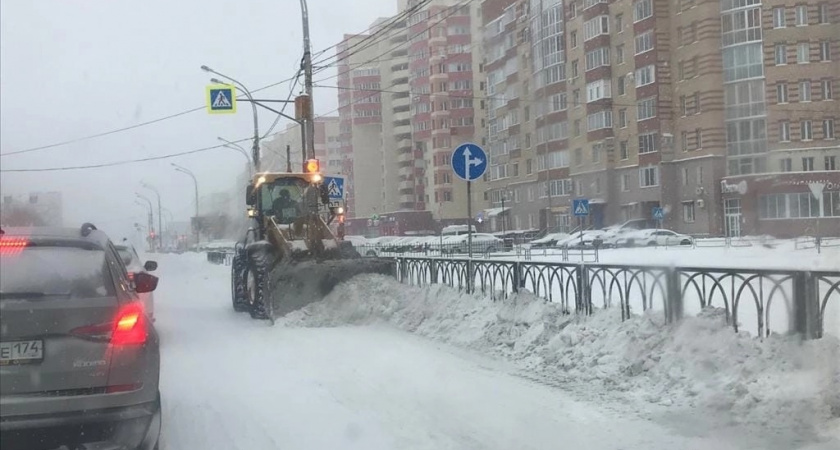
(701, 362)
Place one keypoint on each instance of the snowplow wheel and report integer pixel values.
(238, 285)
(260, 262)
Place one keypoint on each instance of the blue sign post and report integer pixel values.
(469, 162)
(580, 208)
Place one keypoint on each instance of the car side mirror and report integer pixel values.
(144, 282)
(150, 266)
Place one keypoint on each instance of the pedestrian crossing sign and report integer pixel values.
(221, 99)
(580, 207)
(335, 187)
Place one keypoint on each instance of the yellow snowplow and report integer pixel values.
(290, 255)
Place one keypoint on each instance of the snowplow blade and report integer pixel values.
(297, 284)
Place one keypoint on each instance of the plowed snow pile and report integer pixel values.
(778, 382)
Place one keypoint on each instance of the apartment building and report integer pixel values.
(693, 106)
(444, 80)
(326, 147)
(360, 122)
(34, 208)
(793, 187)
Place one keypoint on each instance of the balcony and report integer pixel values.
(438, 77)
(406, 198)
(404, 102)
(402, 129)
(441, 132)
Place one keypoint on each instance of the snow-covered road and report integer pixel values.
(229, 382)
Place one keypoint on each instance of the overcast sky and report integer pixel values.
(70, 68)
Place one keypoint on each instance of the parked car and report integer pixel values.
(481, 243)
(79, 359)
(132, 263)
(655, 237)
(549, 240)
(583, 239)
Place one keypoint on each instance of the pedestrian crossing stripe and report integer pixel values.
(335, 192)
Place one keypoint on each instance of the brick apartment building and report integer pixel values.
(722, 112)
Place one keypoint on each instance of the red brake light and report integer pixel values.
(131, 277)
(12, 245)
(130, 327)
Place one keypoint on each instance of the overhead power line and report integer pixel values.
(124, 162)
(130, 127)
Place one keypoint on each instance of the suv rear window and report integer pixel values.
(40, 271)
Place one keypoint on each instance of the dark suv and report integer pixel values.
(79, 358)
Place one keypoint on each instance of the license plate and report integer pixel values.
(21, 352)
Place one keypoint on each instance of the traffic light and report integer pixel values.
(312, 166)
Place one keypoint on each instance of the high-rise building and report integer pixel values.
(445, 79)
(714, 111)
(326, 147)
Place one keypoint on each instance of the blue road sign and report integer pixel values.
(580, 207)
(335, 186)
(469, 161)
(658, 213)
(221, 99)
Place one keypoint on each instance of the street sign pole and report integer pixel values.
(469, 217)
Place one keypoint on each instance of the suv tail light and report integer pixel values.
(12, 245)
(128, 328)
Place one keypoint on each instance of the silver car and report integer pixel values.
(79, 359)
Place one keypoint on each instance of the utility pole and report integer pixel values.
(309, 112)
(160, 211)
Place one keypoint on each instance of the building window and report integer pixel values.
(642, 9)
(826, 90)
(698, 138)
(805, 91)
(779, 17)
(572, 10)
(646, 109)
(683, 105)
(830, 163)
(699, 174)
(644, 42)
(684, 140)
(578, 156)
(822, 13)
(648, 143)
(649, 176)
(786, 165)
(801, 15)
(619, 23)
(596, 152)
(619, 54)
(684, 172)
(825, 51)
(803, 50)
(625, 183)
(597, 58)
(784, 131)
(622, 118)
(623, 150)
(596, 27)
(688, 212)
(621, 88)
(529, 166)
(681, 70)
(781, 54)
(598, 90)
(576, 97)
(781, 92)
(575, 71)
(808, 164)
(599, 120)
(573, 39)
(577, 127)
(645, 75)
(805, 130)
(828, 129)
(798, 205)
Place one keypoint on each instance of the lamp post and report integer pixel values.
(160, 209)
(309, 118)
(151, 219)
(247, 92)
(195, 183)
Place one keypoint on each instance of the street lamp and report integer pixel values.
(160, 217)
(195, 183)
(151, 218)
(241, 87)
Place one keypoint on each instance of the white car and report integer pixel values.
(481, 243)
(655, 237)
(582, 239)
(549, 240)
(132, 264)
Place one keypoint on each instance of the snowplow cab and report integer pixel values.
(290, 256)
